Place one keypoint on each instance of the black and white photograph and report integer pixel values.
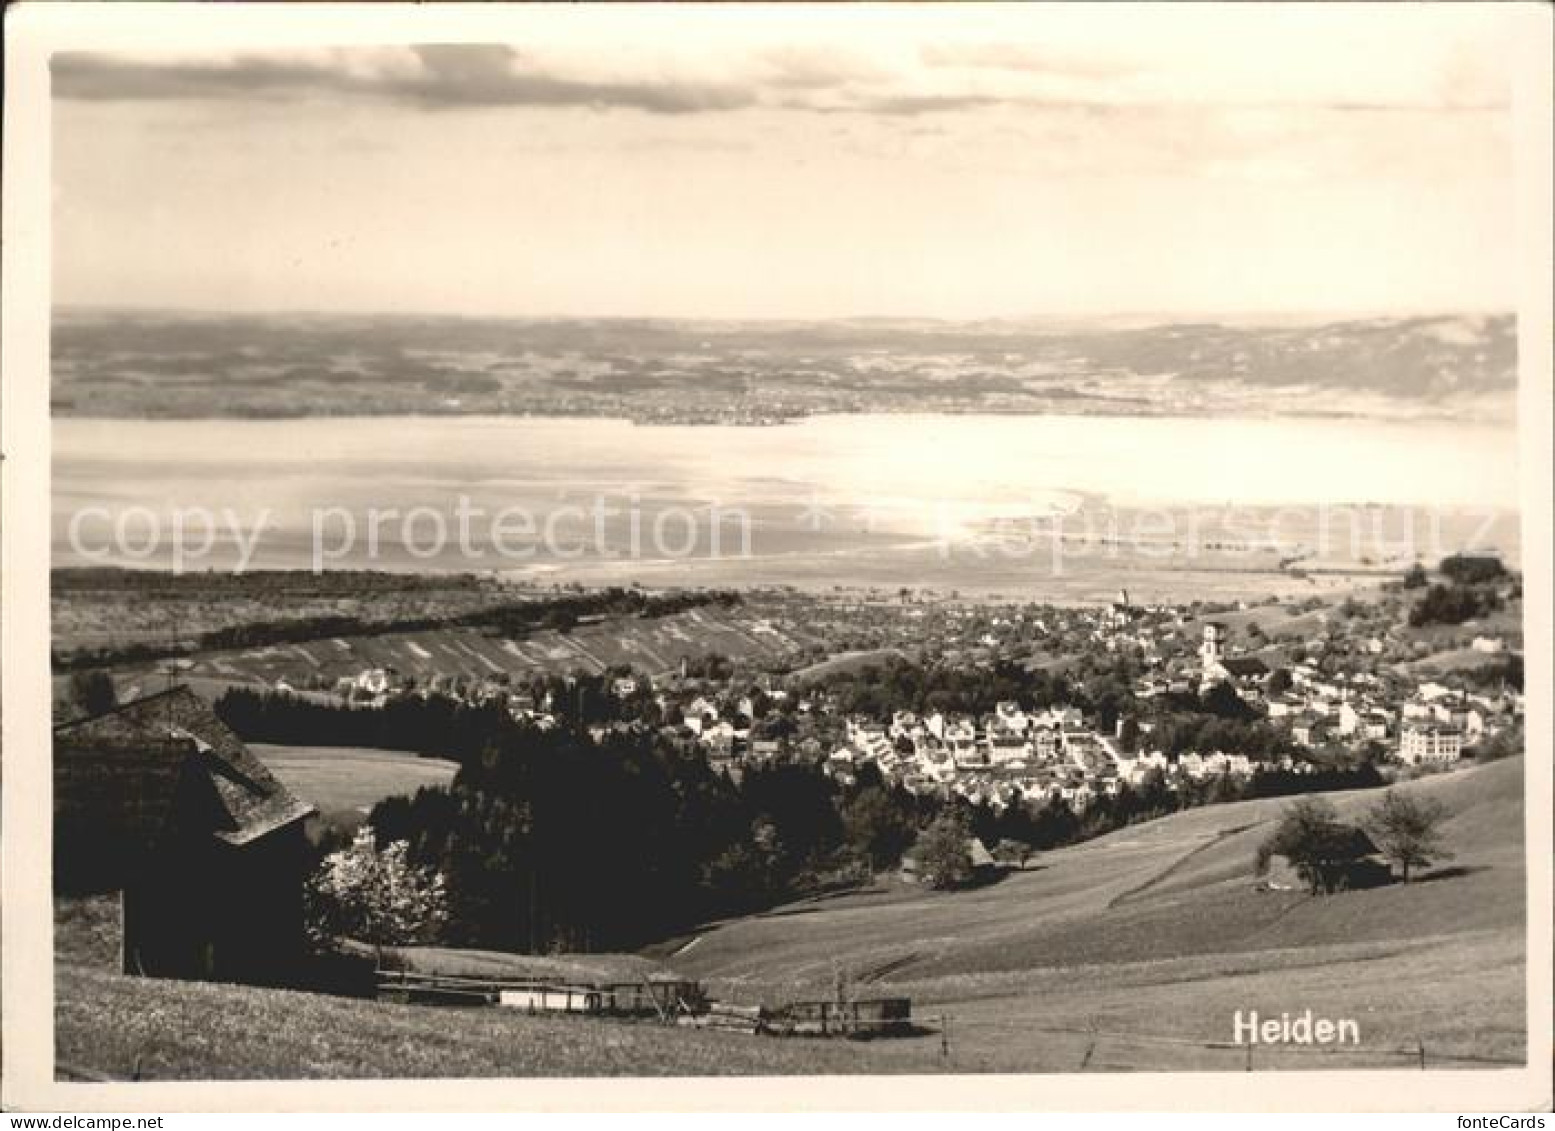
(651, 541)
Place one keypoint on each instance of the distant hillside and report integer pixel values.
(181, 366)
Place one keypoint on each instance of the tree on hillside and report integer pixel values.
(943, 854)
(1279, 682)
(877, 827)
(1508, 743)
(1472, 568)
(1407, 829)
(1016, 852)
(374, 896)
(1321, 847)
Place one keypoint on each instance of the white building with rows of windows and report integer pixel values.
(1430, 745)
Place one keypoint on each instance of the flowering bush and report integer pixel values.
(374, 896)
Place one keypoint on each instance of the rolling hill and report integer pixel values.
(1123, 934)
(1129, 952)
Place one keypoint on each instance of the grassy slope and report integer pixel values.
(351, 777)
(187, 1030)
(110, 1024)
(1123, 933)
(847, 663)
(1130, 952)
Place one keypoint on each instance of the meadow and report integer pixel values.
(1159, 932)
(1129, 952)
(351, 777)
(119, 1026)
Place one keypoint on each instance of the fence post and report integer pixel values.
(944, 1037)
(1249, 1056)
(1422, 1055)
(1086, 1059)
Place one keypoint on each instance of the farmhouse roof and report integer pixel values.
(1361, 843)
(1243, 666)
(134, 758)
(1355, 841)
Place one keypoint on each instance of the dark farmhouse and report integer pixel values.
(157, 799)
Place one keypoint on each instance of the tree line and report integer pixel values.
(880, 690)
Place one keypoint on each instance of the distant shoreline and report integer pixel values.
(1409, 414)
(759, 374)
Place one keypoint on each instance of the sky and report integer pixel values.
(733, 162)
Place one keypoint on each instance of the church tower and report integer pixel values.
(1213, 650)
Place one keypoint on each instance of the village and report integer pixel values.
(911, 549)
(1351, 692)
(577, 803)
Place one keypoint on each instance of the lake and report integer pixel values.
(862, 499)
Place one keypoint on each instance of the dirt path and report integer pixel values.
(1177, 865)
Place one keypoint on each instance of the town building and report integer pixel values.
(1428, 744)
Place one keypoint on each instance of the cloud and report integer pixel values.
(1026, 58)
(444, 76)
(92, 77)
(814, 67)
(915, 105)
(813, 78)
(469, 75)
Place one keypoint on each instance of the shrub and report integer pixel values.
(374, 896)
(1507, 743)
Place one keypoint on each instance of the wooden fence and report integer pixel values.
(672, 1001)
(662, 998)
(1079, 1049)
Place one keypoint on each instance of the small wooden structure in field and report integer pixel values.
(552, 999)
(875, 1017)
(663, 998)
(727, 1017)
(1361, 866)
(675, 1001)
(982, 861)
